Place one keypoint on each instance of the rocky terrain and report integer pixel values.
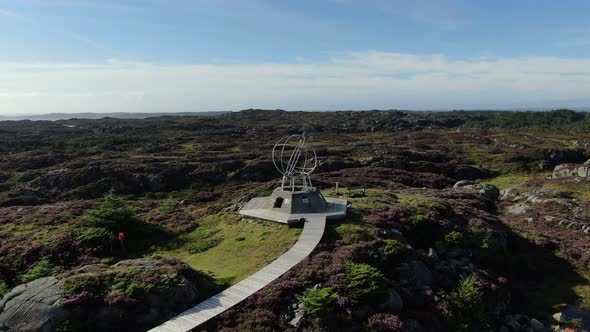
(471, 222)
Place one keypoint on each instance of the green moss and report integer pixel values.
(317, 301)
(137, 290)
(79, 283)
(43, 268)
(3, 289)
(107, 260)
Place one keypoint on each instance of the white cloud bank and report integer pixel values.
(354, 80)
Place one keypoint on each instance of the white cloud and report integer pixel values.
(355, 80)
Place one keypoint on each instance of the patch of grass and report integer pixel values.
(579, 190)
(511, 179)
(353, 233)
(582, 291)
(231, 260)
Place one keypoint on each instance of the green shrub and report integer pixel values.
(354, 233)
(391, 250)
(43, 268)
(3, 289)
(464, 308)
(107, 260)
(92, 236)
(362, 281)
(418, 217)
(317, 301)
(112, 214)
(454, 238)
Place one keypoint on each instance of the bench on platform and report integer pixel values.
(357, 190)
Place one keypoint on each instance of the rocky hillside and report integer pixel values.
(471, 222)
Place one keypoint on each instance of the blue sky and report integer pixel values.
(136, 56)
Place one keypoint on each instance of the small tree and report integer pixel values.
(362, 281)
(113, 214)
(464, 308)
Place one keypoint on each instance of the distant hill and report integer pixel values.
(119, 115)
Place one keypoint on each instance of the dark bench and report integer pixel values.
(357, 190)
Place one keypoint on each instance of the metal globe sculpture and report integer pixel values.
(294, 161)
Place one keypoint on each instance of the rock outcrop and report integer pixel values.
(572, 170)
(130, 295)
(487, 191)
(33, 307)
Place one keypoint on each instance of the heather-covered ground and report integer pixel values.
(414, 254)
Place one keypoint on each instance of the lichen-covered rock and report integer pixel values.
(572, 170)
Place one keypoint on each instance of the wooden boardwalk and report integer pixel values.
(313, 230)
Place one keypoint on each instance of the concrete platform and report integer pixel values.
(262, 207)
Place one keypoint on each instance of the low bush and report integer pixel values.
(391, 250)
(440, 208)
(362, 281)
(317, 301)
